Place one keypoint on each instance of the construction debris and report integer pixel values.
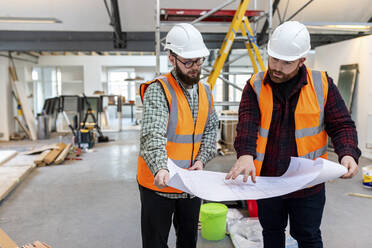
(37, 244)
(63, 155)
(53, 154)
(360, 195)
(7, 242)
(41, 149)
(39, 161)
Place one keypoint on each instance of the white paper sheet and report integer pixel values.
(212, 186)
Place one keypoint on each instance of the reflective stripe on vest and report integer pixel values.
(311, 138)
(183, 134)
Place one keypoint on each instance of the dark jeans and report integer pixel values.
(305, 216)
(156, 220)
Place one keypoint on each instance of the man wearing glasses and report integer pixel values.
(179, 122)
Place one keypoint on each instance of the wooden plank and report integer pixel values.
(63, 154)
(10, 177)
(26, 109)
(41, 149)
(6, 241)
(360, 195)
(23, 127)
(39, 160)
(53, 154)
(7, 155)
(39, 244)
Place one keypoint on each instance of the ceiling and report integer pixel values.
(85, 24)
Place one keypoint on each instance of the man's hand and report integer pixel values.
(351, 166)
(244, 165)
(161, 178)
(198, 165)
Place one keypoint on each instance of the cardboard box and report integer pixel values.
(228, 129)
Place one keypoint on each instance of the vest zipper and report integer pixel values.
(193, 133)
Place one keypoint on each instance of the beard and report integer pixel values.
(186, 79)
(280, 77)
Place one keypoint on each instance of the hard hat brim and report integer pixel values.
(193, 54)
(285, 57)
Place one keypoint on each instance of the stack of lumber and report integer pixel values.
(52, 154)
(7, 242)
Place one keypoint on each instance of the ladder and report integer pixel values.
(239, 23)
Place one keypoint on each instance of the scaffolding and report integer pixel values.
(239, 24)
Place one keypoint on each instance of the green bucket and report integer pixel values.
(213, 220)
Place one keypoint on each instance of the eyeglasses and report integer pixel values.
(190, 63)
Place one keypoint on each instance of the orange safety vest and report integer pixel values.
(311, 138)
(183, 135)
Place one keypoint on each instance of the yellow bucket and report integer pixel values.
(213, 220)
(367, 176)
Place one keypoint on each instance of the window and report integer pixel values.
(118, 84)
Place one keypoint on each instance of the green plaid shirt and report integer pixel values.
(154, 128)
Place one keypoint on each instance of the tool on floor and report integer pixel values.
(101, 137)
(83, 138)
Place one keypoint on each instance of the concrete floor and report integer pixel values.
(95, 202)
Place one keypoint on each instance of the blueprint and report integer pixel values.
(212, 186)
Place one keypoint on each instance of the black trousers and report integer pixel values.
(156, 219)
(305, 215)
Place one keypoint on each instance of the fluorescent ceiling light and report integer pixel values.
(29, 20)
(346, 26)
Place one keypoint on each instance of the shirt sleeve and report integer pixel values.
(154, 127)
(247, 128)
(339, 125)
(208, 143)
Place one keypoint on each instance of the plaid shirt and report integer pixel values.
(154, 128)
(281, 143)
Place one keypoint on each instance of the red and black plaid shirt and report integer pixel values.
(281, 143)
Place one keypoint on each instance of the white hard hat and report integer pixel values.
(186, 41)
(290, 41)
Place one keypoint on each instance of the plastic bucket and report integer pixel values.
(213, 220)
(367, 176)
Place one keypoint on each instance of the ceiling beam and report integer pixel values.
(53, 41)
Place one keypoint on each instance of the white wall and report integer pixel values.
(359, 50)
(93, 66)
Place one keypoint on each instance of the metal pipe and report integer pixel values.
(20, 59)
(234, 73)
(226, 81)
(298, 11)
(212, 11)
(235, 59)
(270, 17)
(157, 36)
